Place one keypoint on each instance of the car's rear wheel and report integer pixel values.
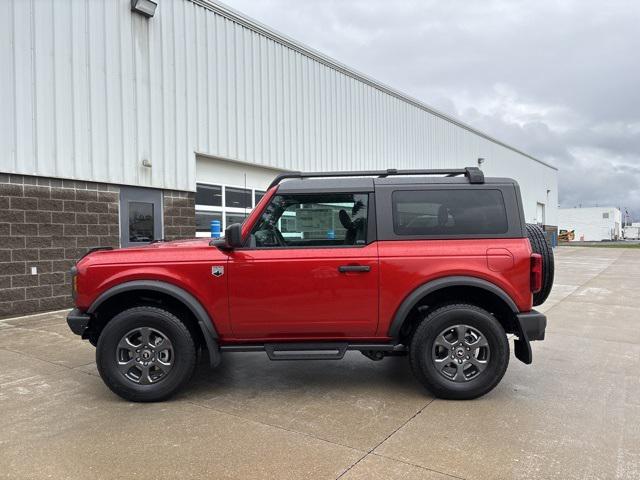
(145, 354)
(459, 352)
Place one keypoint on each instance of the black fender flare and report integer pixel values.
(438, 284)
(204, 321)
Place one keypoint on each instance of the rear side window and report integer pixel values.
(449, 212)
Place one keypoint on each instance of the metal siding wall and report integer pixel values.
(91, 89)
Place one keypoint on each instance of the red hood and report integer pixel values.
(159, 252)
(196, 242)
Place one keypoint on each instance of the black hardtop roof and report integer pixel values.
(472, 174)
(364, 181)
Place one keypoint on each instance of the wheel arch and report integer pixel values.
(456, 288)
(135, 290)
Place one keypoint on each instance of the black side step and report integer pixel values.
(313, 350)
(305, 351)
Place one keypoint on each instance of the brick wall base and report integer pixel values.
(47, 224)
(179, 215)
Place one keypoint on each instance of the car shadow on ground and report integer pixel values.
(254, 372)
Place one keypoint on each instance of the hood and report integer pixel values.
(196, 249)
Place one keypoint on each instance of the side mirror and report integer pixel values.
(232, 238)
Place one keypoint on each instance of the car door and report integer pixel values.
(310, 270)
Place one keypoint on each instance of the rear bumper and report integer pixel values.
(78, 321)
(532, 324)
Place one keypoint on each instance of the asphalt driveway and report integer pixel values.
(574, 413)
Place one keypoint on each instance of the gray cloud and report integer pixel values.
(558, 78)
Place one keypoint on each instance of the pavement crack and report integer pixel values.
(279, 427)
(418, 466)
(370, 452)
(39, 331)
(569, 296)
(40, 359)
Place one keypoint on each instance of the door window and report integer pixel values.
(317, 220)
(141, 222)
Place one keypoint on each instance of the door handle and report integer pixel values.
(353, 268)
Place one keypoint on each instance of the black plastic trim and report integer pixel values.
(354, 268)
(324, 186)
(454, 281)
(372, 219)
(312, 345)
(78, 321)
(533, 324)
(532, 327)
(306, 351)
(204, 321)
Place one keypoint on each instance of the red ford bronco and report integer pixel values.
(437, 265)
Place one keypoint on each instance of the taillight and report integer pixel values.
(74, 282)
(536, 272)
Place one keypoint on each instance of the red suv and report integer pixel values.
(437, 265)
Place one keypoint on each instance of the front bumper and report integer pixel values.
(531, 327)
(78, 321)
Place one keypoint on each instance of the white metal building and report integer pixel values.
(91, 89)
(591, 224)
(631, 232)
(198, 103)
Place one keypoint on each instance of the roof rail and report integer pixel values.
(473, 174)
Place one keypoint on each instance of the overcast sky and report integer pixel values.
(559, 79)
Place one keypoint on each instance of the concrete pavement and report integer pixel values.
(574, 413)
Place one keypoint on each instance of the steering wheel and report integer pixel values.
(277, 235)
(345, 220)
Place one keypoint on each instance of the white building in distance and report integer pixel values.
(631, 232)
(591, 224)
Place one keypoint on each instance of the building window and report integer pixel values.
(228, 204)
(203, 221)
(605, 215)
(235, 218)
(237, 198)
(140, 222)
(258, 196)
(210, 195)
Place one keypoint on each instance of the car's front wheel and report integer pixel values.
(145, 354)
(459, 352)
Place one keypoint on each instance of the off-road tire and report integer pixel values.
(540, 244)
(422, 344)
(183, 349)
